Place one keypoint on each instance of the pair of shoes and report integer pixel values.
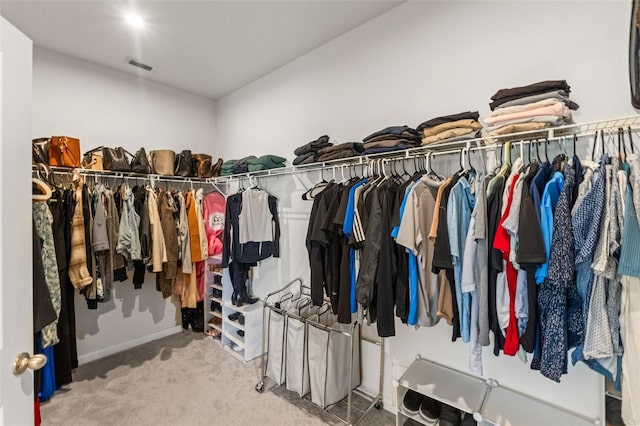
(215, 306)
(234, 297)
(243, 298)
(430, 410)
(450, 416)
(213, 333)
(412, 401)
(236, 348)
(240, 333)
(215, 320)
(216, 293)
(237, 316)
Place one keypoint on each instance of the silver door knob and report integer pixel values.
(24, 361)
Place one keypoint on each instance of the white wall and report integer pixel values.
(102, 106)
(420, 60)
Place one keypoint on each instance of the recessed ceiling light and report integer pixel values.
(134, 20)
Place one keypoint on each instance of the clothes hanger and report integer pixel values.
(42, 186)
(593, 147)
(471, 168)
(504, 171)
(622, 149)
(630, 140)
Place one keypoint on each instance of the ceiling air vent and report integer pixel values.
(138, 64)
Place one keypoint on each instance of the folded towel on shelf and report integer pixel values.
(557, 109)
(343, 150)
(505, 95)
(389, 143)
(468, 115)
(517, 127)
(404, 131)
(313, 146)
(381, 149)
(308, 158)
(269, 161)
(451, 135)
(550, 120)
(458, 124)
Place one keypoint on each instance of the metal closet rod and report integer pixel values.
(136, 176)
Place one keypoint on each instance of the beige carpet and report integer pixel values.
(183, 380)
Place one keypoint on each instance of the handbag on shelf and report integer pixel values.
(217, 168)
(162, 162)
(140, 163)
(92, 160)
(64, 151)
(203, 166)
(115, 159)
(40, 152)
(184, 164)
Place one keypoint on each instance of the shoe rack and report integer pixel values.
(249, 345)
(214, 290)
(487, 400)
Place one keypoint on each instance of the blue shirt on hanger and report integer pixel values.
(347, 228)
(550, 196)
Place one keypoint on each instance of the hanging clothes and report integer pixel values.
(43, 221)
(129, 233)
(158, 248)
(166, 212)
(66, 353)
(214, 207)
(78, 271)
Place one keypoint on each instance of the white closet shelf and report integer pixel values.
(234, 338)
(216, 286)
(487, 399)
(244, 309)
(216, 327)
(237, 355)
(235, 324)
(489, 142)
(216, 314)
(216, 299)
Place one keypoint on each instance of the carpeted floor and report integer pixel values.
(184, 380)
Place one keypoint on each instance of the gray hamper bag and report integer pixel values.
(276, 347)
(328, 354)
(297, 369)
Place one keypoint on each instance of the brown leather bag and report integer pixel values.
(162, 162)
(202, 163)
(92, 161)
(64, 151)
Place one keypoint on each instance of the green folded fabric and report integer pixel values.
(256, 167)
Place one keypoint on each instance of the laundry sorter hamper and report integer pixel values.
(276, 343)
(333, 354)
(296, 365)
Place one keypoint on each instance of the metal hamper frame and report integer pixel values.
(270, 305)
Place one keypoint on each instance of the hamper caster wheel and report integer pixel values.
(260, 387)
(379, 405)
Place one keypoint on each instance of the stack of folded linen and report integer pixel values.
(266, 162)
(252, 163)
(533, 107)
(343, 150)
(391, 139)
(308, 153)
(450, 128)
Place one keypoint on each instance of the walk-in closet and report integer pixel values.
(307, 212)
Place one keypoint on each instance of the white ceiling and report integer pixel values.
(207, 47)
